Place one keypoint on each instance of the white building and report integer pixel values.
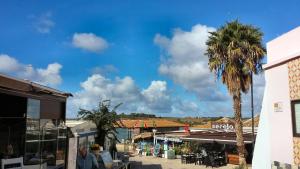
(278, 138)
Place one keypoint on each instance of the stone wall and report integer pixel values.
(294, 79)
(296, 150)
(294, 85)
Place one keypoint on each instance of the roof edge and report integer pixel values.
(36, 85)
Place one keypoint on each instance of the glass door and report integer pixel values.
(32, 138)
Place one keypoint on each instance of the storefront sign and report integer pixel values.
(223, 126)
(278, 107)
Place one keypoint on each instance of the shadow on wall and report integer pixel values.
(139, 165)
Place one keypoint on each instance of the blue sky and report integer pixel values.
(137, 52)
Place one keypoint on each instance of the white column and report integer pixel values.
(72, 152)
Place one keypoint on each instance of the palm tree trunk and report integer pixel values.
(100, 139)
(239, 129)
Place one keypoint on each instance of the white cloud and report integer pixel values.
(47, 76)
(155, 99)
(185, 108)
(44, 22)
(258, 93)
(185, 61)
(89, 42)
(8, 64)
(106, 69)
(97, 87)
(156, 90)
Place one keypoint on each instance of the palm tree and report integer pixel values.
(105, 120)
(235, 51)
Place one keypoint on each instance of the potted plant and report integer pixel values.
(178, 152)
(185, 148)
(233, 157)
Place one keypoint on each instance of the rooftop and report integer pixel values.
(25, 86)
(248, 123)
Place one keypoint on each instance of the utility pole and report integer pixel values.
(252, 112)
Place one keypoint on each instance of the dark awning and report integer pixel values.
(219, 136)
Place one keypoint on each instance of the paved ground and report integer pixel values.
(149, 162)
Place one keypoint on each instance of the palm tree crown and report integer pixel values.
(106, 120)
(235, 51)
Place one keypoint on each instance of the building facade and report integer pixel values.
(278, 139)
(32, 124)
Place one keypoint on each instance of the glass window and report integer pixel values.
(61, 143)
(48, 141)
(83, 141)
(33, 109)
(32, 138)
(296, 117)
(32, 142)
(45, 140)
(91, 140)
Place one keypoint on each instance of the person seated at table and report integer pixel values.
(10, 150)
(203, 152)
(86, 160)
(99, 160)
(9, 153)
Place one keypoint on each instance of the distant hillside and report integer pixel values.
(194, 120)
(136, 115)
(184, 120)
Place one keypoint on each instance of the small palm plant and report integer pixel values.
(106, 121)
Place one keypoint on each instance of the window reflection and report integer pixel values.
(61, 143)
(33, 109)
(48, 141)
(32, 143)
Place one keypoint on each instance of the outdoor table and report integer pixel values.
(199, 160)
(191, 158)
(184, 158)
(118, 164)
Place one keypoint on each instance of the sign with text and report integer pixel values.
(278, 107)
(223, 126)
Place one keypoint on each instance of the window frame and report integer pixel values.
(293, 111)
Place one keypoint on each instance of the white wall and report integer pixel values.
(281, 135)
(72, 154)
(283, 46)
(262, 150)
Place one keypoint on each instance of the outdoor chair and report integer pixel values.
(199, 159)
(210, 161)
(184, 159)
(220, 160)
(190, 158)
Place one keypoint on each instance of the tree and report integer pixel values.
(235, 52)
(105, 120)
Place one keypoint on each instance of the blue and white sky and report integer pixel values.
(148, 55)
